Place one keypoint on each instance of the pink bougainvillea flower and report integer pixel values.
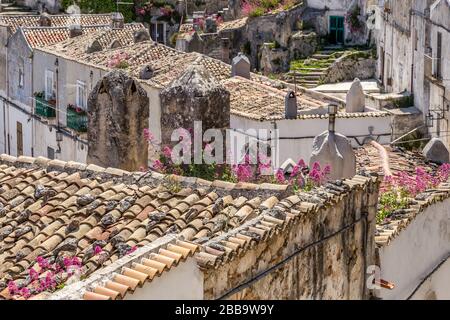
(167, 152)
(25, 292)
(98, 250)
(280, 176)
(133, 249)
(34, 275)
(12, 288)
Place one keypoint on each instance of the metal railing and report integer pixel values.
(45, 108)
(77, 121)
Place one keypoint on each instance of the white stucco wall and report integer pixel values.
(296, 136)
(433, 287)
(416, 251)
(184, 282)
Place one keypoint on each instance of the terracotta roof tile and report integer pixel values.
(16, 21)
(60, 221)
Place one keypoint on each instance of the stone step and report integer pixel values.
(320, 56)
(309, 77)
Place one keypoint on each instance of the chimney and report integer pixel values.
(117, 20)
(290, 106)
(45, 20)
(240, 66)
(75, 30)
(141, 35)
(225, 46)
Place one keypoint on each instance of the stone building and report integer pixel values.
(20, 35)
(413, 57)
(137, 236)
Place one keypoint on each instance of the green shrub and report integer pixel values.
(257, 12)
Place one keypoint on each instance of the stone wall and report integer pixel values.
(359, 65)
(338, 247)
(195, 96)
(118, 109)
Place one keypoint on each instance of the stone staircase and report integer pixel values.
(309, 72)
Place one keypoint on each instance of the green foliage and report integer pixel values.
(247, 48)
(257, 12)
(122, 65)
(274, 45)
(269, 4)
(390, 202)
(404, 102)
(102, 6)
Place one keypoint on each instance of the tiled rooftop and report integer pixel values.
(52, 208)
(16, 21)
(105, 35)
(233, 24)
(257, 101)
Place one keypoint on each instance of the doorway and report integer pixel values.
(337, 30)
(19, 139)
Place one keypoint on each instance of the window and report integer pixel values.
(439, 56)
(81, 95)
(50, 153)
(19, 138)
(158, 32)
(50, 90)
(21, 73)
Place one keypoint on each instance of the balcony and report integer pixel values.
(77, 119)
(45, 108)
(432, 68)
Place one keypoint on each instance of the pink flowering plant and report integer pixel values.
(398, 191)
(255, 168)
(119, 61)
(51, 274)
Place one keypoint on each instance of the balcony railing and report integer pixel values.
(45, 108)
(432, 67)
(77, 119)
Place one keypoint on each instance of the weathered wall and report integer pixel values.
(333, 269)
(423, 244)
(20, 57)
(4, 35)
(52, 6)
(296, 136)
(432, 288)
(118, 110)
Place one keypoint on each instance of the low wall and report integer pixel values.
(409, 257)
(337, 242)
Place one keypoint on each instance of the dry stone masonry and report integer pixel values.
(118, 109)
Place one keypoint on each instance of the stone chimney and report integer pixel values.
(146, 73)
(94, 46)
(290, 106)
(334, 149)
(240, 66)
(75, 30)
(210, 25)
(45, 20)
(118, 112)
(117, 20)
(141, 36)
(356, 99)
(195, 96)
(225, 47)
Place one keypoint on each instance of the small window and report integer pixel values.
(50, 90)
(21, 73)
(50, 153)
(81, 95)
